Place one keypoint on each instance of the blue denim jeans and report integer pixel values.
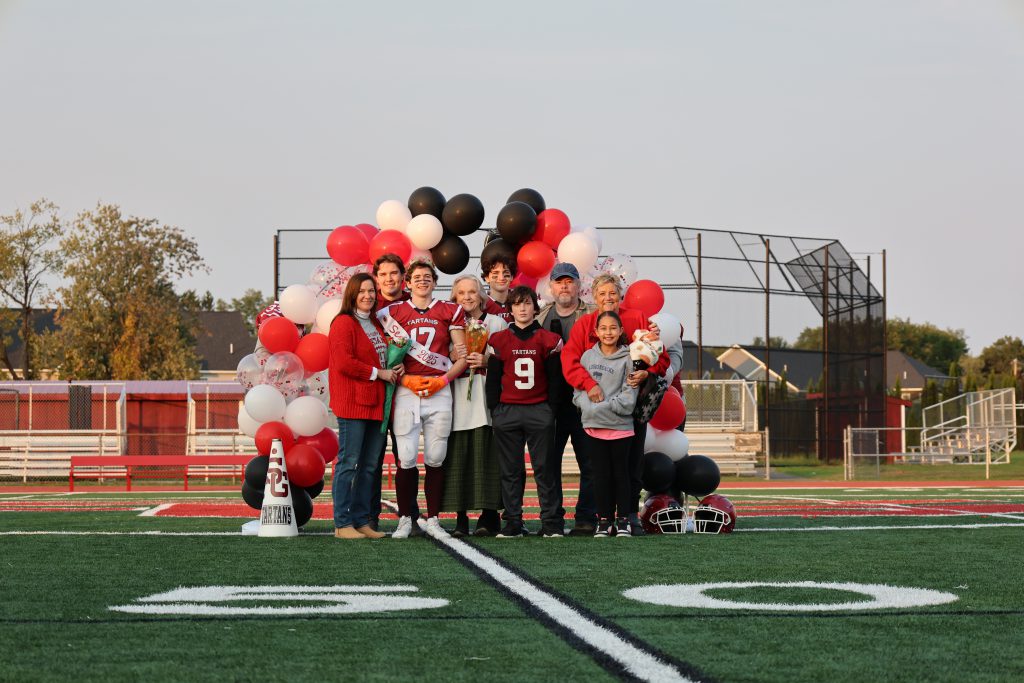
(359, 449)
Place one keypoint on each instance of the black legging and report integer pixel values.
(636, 464)
(609, 464)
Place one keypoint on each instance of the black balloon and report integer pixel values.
(256, 472)
(496, 247)
(426, 200)
(697, 475)
(302, 505)
(316, 489)
(252, 496)
(463, 214)
(659, 472)
(451, 255)
(517, 222)
(528, 196)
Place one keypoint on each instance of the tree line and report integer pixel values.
(109, 278)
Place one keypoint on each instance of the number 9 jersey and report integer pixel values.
(523, 353)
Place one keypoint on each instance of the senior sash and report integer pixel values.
(416, 350)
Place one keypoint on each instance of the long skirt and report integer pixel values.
(471, 477)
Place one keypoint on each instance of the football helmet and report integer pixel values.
(663, 514)
(714, 515)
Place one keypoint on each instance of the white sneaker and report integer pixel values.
(434, 528)
(404, 528)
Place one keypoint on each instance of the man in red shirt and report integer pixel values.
(520, 374)
(423, 404)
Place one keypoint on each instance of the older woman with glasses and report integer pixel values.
(472, 479)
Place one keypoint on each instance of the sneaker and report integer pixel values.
(434, 529)
(622, 527)
(552, 531)
(512, 530)
(582, 529)
(635, 527)
(404, 528)
(604, 529)
(416, 529)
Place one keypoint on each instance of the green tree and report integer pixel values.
(926, 342)
(777, 342)
(1000, 355)
(122, 318)
(249, 305)
(809, 339)
(28, 253)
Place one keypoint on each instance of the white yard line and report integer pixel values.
(152, 512)
(885, 528)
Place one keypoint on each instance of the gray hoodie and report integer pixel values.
(616, 410)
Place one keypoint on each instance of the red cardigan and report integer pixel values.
(354, 395)
(583, 336)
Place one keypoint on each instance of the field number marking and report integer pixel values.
(196, 601)
(882, 596)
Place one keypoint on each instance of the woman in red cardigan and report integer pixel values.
(357, 378)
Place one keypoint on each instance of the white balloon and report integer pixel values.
(579, 250)
(306, 416)
(298, 303)
(672, 443)
(424, 231)
(264, 403)
(325, 316)
(649, 439)
(669, 327)
(393, 215)
(246, 424)
(591, 232)
(319, 387)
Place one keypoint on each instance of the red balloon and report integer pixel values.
(305, 465)
(646, 296)
(279, 334)
(552, 226)
(348, 246)
(369, 230)
(390, 242)
(326, 442)
(314, 350)
(670, 413)
(524, 279)
(269, 431)
(536, 259)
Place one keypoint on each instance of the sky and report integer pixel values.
(890, 125)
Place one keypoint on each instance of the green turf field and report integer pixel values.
(56, 591)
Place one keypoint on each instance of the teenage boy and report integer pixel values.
(389, 275)
(521, 389)
(423, 404)
(498, 272)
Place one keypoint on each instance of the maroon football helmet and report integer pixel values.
(714, 515)
(663, 514)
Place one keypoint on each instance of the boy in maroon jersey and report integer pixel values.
(424, 401)
(497, 272)
(520, 375)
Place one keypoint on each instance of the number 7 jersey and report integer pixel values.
(524, 380)
(430, 328)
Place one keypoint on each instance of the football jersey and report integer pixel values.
(524, 380)
(429, 327)
(492, 307)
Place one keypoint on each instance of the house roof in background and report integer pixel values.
(911, 372)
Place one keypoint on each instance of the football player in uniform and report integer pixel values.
(520, 373)
(423, 404)
(498, 272)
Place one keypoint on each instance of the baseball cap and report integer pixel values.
(564, 270)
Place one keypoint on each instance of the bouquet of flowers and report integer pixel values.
(476, 342)
(397, 348)
(645, 349)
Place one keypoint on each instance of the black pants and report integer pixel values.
(609, 463)
(516, 426)
(636, 464)
(568, 426)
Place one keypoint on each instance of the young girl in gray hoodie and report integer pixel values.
(607, 416)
